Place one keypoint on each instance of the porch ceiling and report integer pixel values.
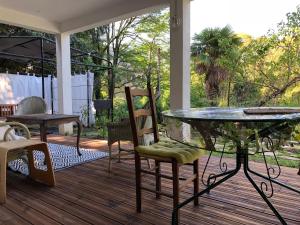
(58, 16)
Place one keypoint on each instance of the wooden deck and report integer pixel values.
(88, 194)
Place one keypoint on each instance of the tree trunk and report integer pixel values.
(109, 36)
(158, 72)
(279, 91)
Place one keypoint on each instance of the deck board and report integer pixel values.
(88, 194)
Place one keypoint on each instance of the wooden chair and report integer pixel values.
(166, 151)
(13, 147)
(116, 132)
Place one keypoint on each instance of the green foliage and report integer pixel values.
(214, 43)
(198, 95)
(242, 71)
(120, 108)
(227, 69)
(215, 52)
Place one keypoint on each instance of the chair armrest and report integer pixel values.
(12, 126)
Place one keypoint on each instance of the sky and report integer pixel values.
(254, 17)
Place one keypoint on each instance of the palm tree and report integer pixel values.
(212, 48)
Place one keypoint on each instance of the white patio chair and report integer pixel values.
(31, 105)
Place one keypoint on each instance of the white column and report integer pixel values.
(63, 60)
(180, 60)
(180, 54)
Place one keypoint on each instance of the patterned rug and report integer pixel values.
(63, 156)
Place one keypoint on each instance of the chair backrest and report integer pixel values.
(138, 132)
(31, 105)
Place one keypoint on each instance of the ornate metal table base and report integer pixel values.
(242, 160)
(243, 128)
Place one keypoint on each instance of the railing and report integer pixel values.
(7, 109)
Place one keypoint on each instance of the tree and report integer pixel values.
(272, 62)
(214, 49)
(138, 50)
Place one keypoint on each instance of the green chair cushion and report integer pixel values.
(167, 148)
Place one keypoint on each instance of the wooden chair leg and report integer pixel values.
(175, 171)
(109, 157)
(158, 179)
(3, 165)
(46, 177)
(196, 180)
(149, 163)
(138, 186)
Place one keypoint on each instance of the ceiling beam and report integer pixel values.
(105, 16)
(98, 17)
(16, 18)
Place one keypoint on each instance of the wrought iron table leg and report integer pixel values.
(274, 181)
(221, 174)
(240, 156)
(262, 194)
(214, 177)
(211, 186)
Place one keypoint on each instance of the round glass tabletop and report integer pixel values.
(261, 114)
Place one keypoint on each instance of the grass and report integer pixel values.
(270, 160)
(288, 156)
(92, 133)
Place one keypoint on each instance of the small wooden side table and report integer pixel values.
(44, 120)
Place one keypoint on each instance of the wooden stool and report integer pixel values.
(13, 147)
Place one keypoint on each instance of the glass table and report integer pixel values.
(245, 131)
